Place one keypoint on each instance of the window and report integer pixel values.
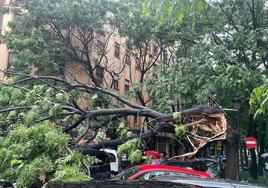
(127, 58)
(100, 44)
(135, 119)
(155, 75)
(126, 174)
(112, 157)
(127, 85)
(115, 84)
(165, 56)
(137, 67)
(99, 73)
(155, 49)
(151, 175)
(117, 50)
(12, 56)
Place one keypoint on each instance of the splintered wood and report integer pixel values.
(204, 130)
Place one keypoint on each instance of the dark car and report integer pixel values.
(102, 169)
(212, 164)
(212, 183)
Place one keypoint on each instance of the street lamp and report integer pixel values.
(237, 105)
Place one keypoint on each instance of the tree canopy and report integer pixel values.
(196, 49)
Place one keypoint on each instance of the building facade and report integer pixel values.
(5, 55)
(122, 64)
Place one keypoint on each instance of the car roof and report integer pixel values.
(217, 183)
(172, 168)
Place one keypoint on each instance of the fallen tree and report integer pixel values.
(63, 103)
(43, 117)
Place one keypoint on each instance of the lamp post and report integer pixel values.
(237, 106)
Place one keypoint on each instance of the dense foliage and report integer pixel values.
(200, 49)
(36, 154)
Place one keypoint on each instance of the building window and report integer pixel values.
(116, 84)
(155, 75)
(127, 85)
(100, 44)
(137, 67)
(135, 119)
(155, 49)
(100, 47)
(165, 56)
(99, 73)
(127, 58)
(117, 50)
(12, 56)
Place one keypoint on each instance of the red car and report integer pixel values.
(146, 172)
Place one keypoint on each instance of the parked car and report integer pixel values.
(212, 183)
(114, 161)
(102, 169)
(212, 164)
(146, 172)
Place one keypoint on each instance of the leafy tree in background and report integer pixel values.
(227, 55)
(51, 35)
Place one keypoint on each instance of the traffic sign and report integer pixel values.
(251, 142)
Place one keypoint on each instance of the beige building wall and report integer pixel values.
(4, 52)
(127, 73)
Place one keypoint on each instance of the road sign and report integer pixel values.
(251, 142)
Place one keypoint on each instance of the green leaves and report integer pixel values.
(129, 147)
(176, 115)
(31, 152)
(12, 115)
(259, 100)
(180, 131)
(30, 117)
(180, 16)
(122, 130)
(62, 97)
(70, 175)
(135, 157)
(77, 160)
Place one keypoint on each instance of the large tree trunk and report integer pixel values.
(261, 144)
(253, 167)
(232, 154)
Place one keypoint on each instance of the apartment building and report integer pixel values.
(117, 60)
(6, 57)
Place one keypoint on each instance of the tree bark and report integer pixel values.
(232, 154)
(261, 144)
(253, 167)
(161, 127)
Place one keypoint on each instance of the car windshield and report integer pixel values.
(126, 174)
